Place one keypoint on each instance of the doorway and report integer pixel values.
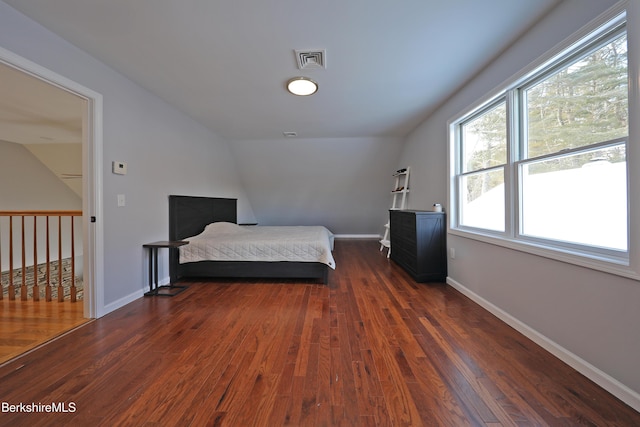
(75, 121)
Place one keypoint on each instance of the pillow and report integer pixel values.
(223, 228)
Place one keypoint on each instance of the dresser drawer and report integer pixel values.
(418, 243)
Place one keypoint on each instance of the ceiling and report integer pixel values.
(35, 112)
(46, 119)
(226, 62)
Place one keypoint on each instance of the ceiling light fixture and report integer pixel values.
(302, 86)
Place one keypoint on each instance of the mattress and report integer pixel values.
(224, 241)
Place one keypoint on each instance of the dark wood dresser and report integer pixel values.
(419, 243)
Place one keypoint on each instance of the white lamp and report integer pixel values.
(302, 86)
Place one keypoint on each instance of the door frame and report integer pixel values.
(92, 218)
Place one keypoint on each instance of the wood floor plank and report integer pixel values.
(372, 347)
(24, 325)
(325, 381)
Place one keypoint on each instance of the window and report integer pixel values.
(484, 158)
(543, 163)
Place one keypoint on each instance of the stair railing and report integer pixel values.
(56, 228)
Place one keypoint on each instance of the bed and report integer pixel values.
(220, 248)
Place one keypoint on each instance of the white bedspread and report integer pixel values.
(224, 241)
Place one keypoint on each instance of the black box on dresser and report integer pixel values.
(419, 243)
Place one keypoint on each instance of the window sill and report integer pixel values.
(617, 267)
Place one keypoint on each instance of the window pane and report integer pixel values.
(579, 198)
(582, 104)
(484, 140)
(483, 200)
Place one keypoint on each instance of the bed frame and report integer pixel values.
(189, 215)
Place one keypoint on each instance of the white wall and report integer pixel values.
(341, 183)
(591, 315)
(167, 153)
(27, 184)
(61, 158)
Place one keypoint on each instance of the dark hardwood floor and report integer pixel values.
(371, 348)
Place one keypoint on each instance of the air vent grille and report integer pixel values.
(310, 59)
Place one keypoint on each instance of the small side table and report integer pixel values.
(170, 289)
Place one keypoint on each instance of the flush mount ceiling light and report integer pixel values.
(302, 86)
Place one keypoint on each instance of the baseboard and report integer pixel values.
(613, 386)
(122, 302)
(131, 297)
(357, 236)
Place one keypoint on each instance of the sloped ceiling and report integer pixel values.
(226, 62)
(64, 160)
(36, 112)
(45, 119)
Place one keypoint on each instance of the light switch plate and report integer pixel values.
(119, 168)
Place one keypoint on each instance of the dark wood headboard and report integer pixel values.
(189, 215)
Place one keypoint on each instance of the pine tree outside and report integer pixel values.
(570, 153)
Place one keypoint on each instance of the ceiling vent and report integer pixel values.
(311, 59)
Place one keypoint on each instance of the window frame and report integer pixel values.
(607, 27)
(487, 107)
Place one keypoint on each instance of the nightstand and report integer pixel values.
(165, 290)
